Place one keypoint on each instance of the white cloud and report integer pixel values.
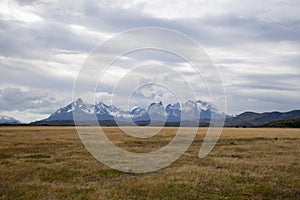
(270, 10)
(12, 11)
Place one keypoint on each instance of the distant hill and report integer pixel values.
(291, 123)
(8, 120)
(252, 119)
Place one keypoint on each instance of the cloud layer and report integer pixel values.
(43, 44)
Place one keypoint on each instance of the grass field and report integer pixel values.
(52, 163)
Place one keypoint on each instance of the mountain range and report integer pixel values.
(8, 120)
(154, 114)
(157, 114)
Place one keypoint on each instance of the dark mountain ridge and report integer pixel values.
(252, 119)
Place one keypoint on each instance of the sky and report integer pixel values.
(255, 46)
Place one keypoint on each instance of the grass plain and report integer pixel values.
(247, 163)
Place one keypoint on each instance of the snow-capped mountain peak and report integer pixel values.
(189, 110)
(8, 120)
(137, 111)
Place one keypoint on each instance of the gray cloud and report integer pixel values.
(37, 77)
(33, 100)
(43, 44)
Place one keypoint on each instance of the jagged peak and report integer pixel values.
(79, 101)
(173, 111)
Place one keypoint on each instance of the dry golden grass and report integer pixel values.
(52, 163)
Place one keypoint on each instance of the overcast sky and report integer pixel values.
(43, 44)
